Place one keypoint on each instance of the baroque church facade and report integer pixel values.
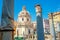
(25, 29)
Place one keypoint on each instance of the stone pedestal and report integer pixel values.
(0, 35)
(6, 34)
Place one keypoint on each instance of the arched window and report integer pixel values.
(29, 31)
(22, 19)
(27, 19)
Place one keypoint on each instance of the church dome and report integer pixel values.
(23, 16)
(24, 12)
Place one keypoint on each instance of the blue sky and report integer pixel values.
(47, 7)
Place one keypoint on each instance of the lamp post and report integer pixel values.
(40, 29)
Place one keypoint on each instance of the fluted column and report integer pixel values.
(6, 21)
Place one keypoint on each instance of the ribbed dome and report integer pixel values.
(24, 17)
(24, 12)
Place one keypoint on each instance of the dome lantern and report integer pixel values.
(24, 8)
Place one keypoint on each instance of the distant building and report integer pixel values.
(25, 29)
(56, 19)
(46, 26)
(48, 37)
(46, 29)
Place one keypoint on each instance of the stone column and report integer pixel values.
(52, 29)
(7, 26)
(40, 29)
(58, 30)
(7, 34)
